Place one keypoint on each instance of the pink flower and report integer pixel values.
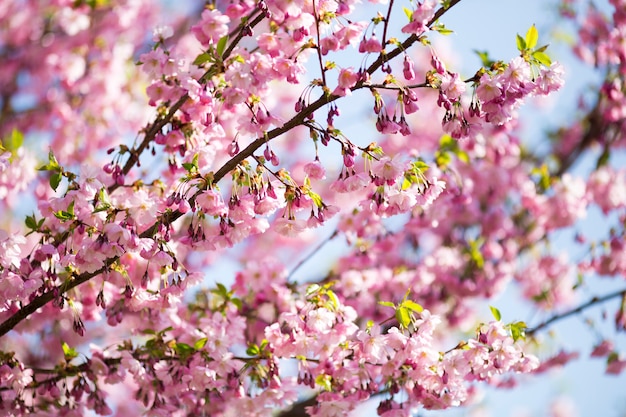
(315, 170)
(550, 79)
(347, 79)
(408, 68)
(489, 88)
(289, 227)
(329, 43)
(388, 169)
(211, 203)
(320, 320)
(517, 76)
(422, 14)
(212, 27)
(162, 32)
(452, 86)
(371, 45)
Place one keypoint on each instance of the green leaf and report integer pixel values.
(496, 313)
(183, 350)
(103, 203)
(463, 156)
(237, 302)
(448, 143)
(31, 222)
(253, 350)
(532, 36)
(403, 316)
(333, 298)
(387, 304)
(55, 180)
(408, 12)
(412, 305)
(200, 343)
(316, 199)
(518, 330)
(192, 166)
(475, 253)
(484, 58)
(443, 30)
(521, 44)
(420, 166)
(68, 352)
(52, 165)
(201, 59)
(62, 215)
(312, 289)
(221, 290)
(442, 159)
(542, 58)
(221, 45)
(14, 141)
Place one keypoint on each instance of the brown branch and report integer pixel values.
(594, 301)
(386, 26)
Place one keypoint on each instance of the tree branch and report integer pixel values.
(594, 301)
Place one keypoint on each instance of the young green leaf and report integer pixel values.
(52, 165)
(521, 44)
(68, 352)
(201, 59)
(403, 316)
(442, 29)
(221, 45)
(253, 350)
(14, 141)
(518, 330)
(183, 349)
(408, 12)
(532, 36)
(333, 298)
(200, 343)
(543, 58)
(413, 306)
(312, 289)
(496, 313)
(484, 58)
(31, 222)
(55, 180)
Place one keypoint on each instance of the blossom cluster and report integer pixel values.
(240, 151)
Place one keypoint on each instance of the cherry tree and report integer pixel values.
(168, 176)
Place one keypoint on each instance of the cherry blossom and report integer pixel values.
(194, 224)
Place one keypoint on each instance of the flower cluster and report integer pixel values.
(242, 153)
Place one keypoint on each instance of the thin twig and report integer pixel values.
(384, 42)
(313, 252)
(580, 308)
